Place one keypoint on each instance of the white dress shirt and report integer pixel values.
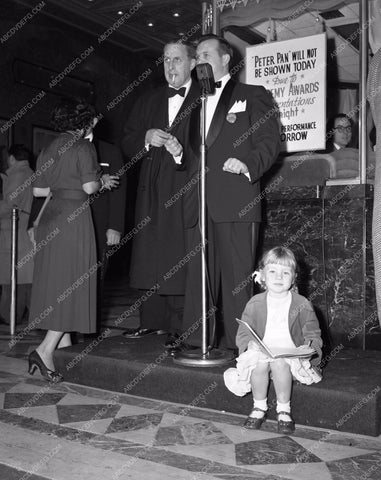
(211, 105)
(212, 100)
(174, 103)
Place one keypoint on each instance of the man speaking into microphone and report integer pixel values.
(242, 143)
(159, 125)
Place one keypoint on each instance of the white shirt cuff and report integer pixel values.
(178, 159)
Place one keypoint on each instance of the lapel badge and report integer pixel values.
(231, 117)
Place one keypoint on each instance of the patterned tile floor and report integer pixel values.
(68, 431)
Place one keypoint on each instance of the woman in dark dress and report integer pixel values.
(64, 281)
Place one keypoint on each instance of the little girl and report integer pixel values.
(281, 318)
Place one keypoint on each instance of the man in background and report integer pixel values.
(339, 131)
(17, 192)
(107, 207)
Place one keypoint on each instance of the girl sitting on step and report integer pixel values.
(282, 319)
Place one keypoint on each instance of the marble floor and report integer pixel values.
(68, 431)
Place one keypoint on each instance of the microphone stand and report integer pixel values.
(214, 357)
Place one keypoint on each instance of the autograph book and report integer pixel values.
(301, 352)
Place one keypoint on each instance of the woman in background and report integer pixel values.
(64, 281)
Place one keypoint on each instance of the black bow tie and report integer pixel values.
(172, 92)
(218, 84)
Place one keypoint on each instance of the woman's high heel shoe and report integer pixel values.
(35, 361)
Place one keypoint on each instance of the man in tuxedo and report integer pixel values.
(158, 128)
(108, 212)
(242, 143)
(108, 207)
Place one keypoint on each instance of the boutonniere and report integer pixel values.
(231, 117)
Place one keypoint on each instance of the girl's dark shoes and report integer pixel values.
(35, 361)
(286, 426)
(255, 423)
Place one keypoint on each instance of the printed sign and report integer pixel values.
(294, 71)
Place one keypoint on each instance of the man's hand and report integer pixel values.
(110, 181)
(233, 165)
(113, 237)
(173, 146)
(156, 137)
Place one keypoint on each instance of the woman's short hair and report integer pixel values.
(72, 114)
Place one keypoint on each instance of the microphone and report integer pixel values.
(205, 78)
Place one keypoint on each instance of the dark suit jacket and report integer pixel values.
(109, 208)
(160, 245)
(252, 136)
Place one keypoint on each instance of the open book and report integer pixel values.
(301, 352)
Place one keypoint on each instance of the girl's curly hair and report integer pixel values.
(72, 114)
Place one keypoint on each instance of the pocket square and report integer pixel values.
(238, 106)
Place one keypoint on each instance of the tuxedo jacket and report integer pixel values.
(160, 245)
(244, 126)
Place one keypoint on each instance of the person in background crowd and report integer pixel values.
(341, 127)
(158, 130)
(17, 192)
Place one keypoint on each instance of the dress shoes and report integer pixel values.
(142, 332)
(36, 362)
(376, 330)
(253, 423)
(286, 426)
(174, 345)
(173, 341)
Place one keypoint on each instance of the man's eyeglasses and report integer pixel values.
(343, 129)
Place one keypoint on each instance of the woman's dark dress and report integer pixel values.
(65, 271)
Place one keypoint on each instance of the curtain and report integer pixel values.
(255, 12)
(375, 25)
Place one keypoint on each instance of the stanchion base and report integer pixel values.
(213, 358)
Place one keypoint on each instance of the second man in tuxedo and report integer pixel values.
(242, 140)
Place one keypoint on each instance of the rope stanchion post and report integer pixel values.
(12, 313)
